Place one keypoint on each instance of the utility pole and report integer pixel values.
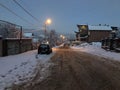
(45, 33)
(47, 22)
(20, 42)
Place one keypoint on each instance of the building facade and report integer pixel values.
(90, 33)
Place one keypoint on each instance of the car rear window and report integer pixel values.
(44, 46)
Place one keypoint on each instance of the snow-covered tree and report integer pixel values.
(53, 37)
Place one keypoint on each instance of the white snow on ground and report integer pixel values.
(95, 48)
(19, 68)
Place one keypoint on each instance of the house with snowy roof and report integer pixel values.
(93, 33)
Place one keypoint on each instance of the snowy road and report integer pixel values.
(73, 70)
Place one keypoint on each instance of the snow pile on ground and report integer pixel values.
(95, 48)
(20, 68)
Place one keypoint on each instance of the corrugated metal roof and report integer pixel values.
(99, 27)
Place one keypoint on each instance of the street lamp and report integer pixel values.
(62, 37)
(47, 22)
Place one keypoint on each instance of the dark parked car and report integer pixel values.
(44, 49)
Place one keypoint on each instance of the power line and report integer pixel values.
(26, 10)
(14, 13)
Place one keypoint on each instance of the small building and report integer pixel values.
(92, 33)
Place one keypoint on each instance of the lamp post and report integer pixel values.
(62, 37)
(47, 22)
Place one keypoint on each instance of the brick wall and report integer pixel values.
(98, 35)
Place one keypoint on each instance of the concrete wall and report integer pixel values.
(16, 46)
(26, 45)
(1, 46)
(98, 35)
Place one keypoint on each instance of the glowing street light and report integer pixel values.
(47, 22)
(62, 37)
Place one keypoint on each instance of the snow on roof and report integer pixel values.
(17, 38)
(41, 35)
(99, 27)
(27, 34)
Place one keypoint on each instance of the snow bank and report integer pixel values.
(95, 48)
(19, 68)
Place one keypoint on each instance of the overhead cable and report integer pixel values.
(26, 10)
(14, 13)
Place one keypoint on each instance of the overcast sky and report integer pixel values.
(65, 14)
